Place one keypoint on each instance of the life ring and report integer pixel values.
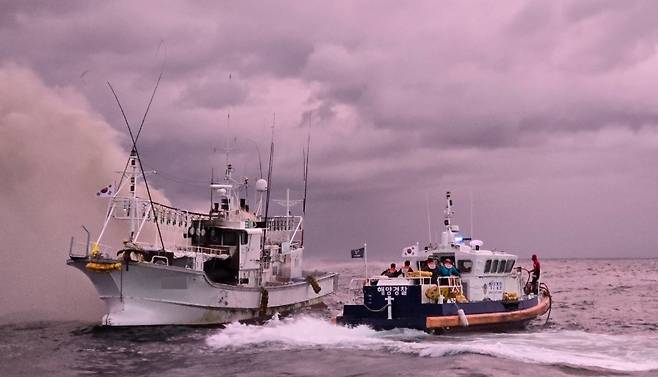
(433, 292)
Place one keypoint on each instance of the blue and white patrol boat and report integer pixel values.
(489, 292)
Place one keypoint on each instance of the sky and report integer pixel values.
(539, 116)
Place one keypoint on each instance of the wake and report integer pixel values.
(572, 348)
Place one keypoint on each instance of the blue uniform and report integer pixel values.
(452, 271)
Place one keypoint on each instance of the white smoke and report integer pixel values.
(55, 154)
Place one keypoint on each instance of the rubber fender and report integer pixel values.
(264, 298)
(462, 317)
(314, 283)
(103, 266)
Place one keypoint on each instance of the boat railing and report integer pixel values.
(283, 223)
(451, 285)
(202, 249)
(84, 250)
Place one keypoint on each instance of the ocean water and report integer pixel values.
(604, 322)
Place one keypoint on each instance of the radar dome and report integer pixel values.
(261, 185)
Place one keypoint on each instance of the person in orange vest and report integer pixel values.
(391, 272)
(406, 268)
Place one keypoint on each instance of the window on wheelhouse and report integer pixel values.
(494, 266)
(510, 265)
(229, 238)
(501, 266)
(464, 266)
(487, 266)
(213, 236)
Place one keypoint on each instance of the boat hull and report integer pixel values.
(145, 294)
(407, 311)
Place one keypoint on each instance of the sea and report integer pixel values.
(603, 322)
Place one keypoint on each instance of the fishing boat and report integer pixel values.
(180, 267)
(489, 292)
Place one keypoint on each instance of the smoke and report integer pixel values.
(55, 154)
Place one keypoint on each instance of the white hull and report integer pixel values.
(150, 294)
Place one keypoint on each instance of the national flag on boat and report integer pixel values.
(410, 251)
(106, 191)
(358, 253)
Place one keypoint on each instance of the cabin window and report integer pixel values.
(487, 266)
(229, 238)
(214, 237)
(464, 266)
(510, 265)
(494, 266)
(243, 238)
(501, 267)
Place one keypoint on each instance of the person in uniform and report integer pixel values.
(391, 272)
(448, 269)
(431, 266)
(406, 268)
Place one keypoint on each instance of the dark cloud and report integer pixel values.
(543, 110)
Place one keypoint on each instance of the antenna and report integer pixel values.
(212, 180)
(227, 148)
(134, 148)
(471, 197)
(429, 223)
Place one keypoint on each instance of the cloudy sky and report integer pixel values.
(540, 116)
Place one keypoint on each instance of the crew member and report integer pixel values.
(447, 269)
(430, 265)
(535, 272)
(406, 268)
(391, 272)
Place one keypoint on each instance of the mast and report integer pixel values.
(137, 158)
(447, 236)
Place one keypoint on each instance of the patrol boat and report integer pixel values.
(490, 294)
(226, 265)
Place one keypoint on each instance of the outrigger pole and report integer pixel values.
(134, 148)
(269, 182)
(306, 155)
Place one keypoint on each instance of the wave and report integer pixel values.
(570, 348)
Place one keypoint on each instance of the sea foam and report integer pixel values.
(573, 348)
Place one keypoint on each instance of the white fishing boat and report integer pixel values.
(178, 267)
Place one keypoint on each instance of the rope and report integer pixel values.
(544, 287)
(376, 310)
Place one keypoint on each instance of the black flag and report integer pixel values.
(358, 253)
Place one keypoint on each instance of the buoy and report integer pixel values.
(95, 250)
(462, 318)
(314, 283)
